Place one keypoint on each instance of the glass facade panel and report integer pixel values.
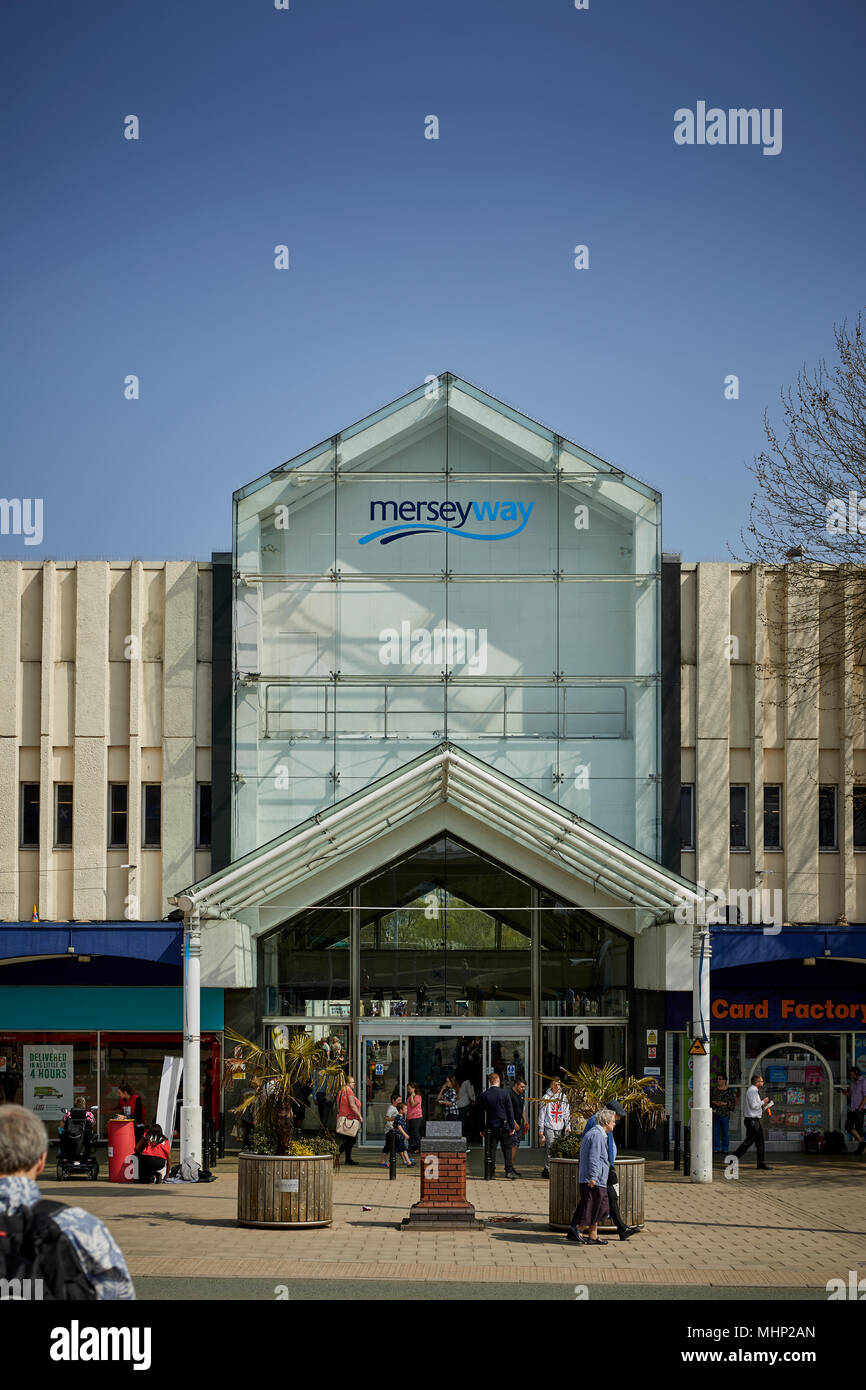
(559, 1052)
(392, 525)
(585, 965)
(505, 523)
(305, 966)
(447, 568)
(457, 942)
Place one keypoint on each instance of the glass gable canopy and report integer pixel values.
(446, 569)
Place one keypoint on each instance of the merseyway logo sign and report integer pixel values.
(461, 519)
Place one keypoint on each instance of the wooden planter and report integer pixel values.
(290, 1192)
(564, 1193)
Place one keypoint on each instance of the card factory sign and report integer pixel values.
(732, 1010)
(789, 1012)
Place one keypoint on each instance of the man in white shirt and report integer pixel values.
(753, 1110)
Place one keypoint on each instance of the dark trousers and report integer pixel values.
(503, 1138)
(346, 1144)
(613, 1204)
(323, 1105)
(148, 1164)
(754, 1135)
(414, 1128)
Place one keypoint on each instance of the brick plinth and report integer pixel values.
(443, 1187)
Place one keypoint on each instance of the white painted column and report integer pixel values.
(701, 1120)
(190, 1115)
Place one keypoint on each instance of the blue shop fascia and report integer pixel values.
(86, 1006)
(789, 1004)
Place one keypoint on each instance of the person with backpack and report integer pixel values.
(71, 1251)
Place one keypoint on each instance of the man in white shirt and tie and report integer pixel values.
(753, 1110)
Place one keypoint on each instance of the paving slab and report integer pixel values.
(795, 1228)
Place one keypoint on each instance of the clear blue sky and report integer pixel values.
(408, 256)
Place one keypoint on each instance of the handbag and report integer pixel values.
(347, 1127)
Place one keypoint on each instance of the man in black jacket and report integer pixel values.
(497, 1114)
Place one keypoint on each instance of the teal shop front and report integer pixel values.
(99, 1036)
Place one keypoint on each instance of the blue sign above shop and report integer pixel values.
(766, 1010)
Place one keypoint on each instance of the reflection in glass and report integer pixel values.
(445, 932)
(305, 965)
(585, 964)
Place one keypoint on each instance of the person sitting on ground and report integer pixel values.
(93, 1267)
(153, 1152)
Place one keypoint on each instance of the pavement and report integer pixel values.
(791, 1230)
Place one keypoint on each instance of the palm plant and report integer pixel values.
(275, 1075)
(589, 1088)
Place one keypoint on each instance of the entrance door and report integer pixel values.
(428, 1058)
(382, 1073)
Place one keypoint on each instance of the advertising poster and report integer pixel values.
(48, 1085)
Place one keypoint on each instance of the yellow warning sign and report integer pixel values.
(697, 1049)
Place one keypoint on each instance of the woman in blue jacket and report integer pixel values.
(592, 1179)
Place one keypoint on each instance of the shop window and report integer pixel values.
(739, 817)
(827, 827)
(772, 817)
(203, 816)
(151, 815)
(29, 815)
(860, 817)
(687, 816)
(62, 814)
(118, 814)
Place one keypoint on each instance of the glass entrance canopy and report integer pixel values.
(444, 932)
(446, 569)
